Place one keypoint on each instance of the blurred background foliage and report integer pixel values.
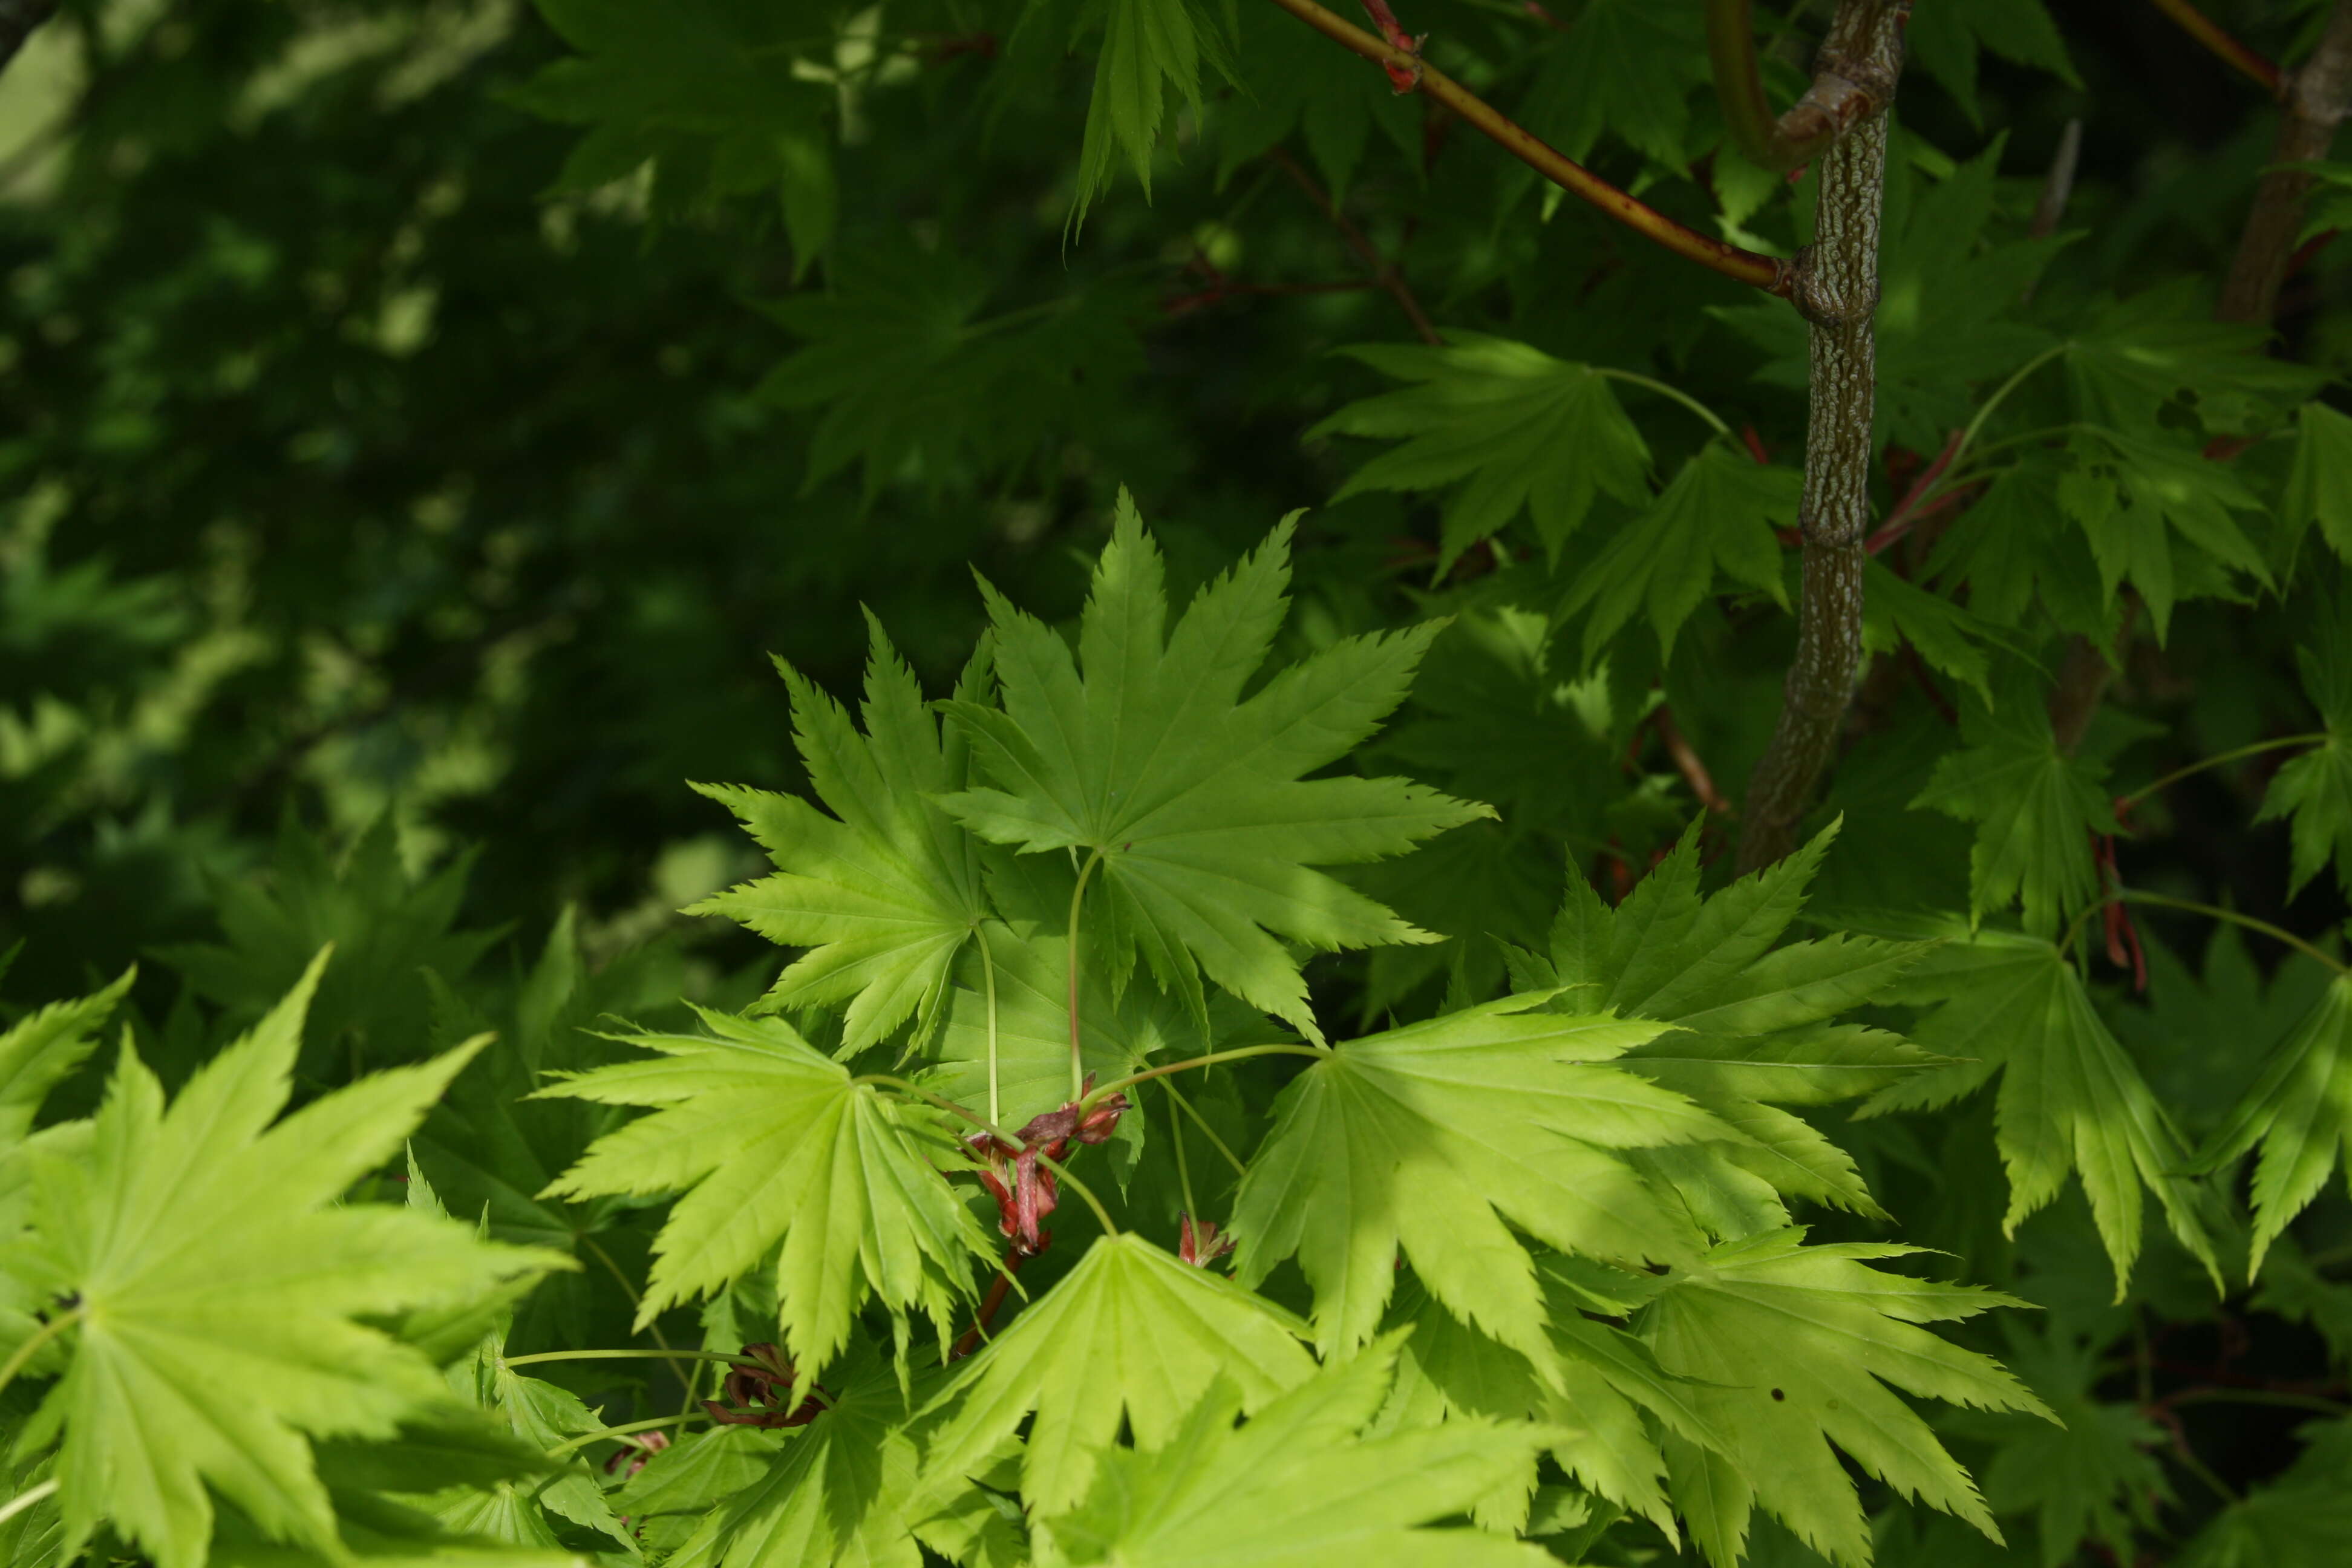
(406, 468)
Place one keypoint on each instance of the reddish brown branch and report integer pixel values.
(1384, 272)
(1747, 267)
(2314, 98)
(970, 1340)
(1687, 764)
(2233, 54)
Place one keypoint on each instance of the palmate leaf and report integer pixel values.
(845, 1489)
(2135, 356)
(2313, 791)
(909, 381)
(1716, 516)
(2299, 1112)
(220, 1291)
(1599, 1415)
(771, 1141)
(709, 91)
(886, 891)
(2319, 485)
(2132, 495)
(1627, 68)
(2035, 807)
(41, 1049)
(1299, 1485)
(1744, 1027)
(1131, 1330)
(1511, 425)
(1791, 1348)
(2070, 1099)
(1427, 1139)
(1189, 799)
(1149, 48)
(2094, 1476)
(2302, 1519)
(1947, 44)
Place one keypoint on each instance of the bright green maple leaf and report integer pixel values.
(1149, 48)
(1717, 515)
(220, 1289)
(2313, 791)
(1792, 1349)
(2035, 807)
(1752, 1025)
(886, 891)
(1300, 1485)
(771, 1141)
(1189, 798)
(1513, 426)
(2299, 1111)
(41, 1049)
(1601, 1412)
(1131, 1330)
(2070, 1099)
(1428, 1138)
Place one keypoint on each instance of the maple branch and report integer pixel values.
(999, 1288)
(626, 1355)
(1687, 762)
(1836, 288)
(2233, 54)
(2315, 96)
(1384, 272)
(1845, 91)
(1767, 273)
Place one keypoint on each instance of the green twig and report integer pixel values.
(1684, 398)
(1968, 435)
(1206, 1131)
(537, 1356)
(985, 1124)
(2213, 912)
(1080, 1188)
(1183, 1166)
(1131, 1079)
(2257, 1396)
(1078, 1059)
(988, 973)
(602, 1433)
(2124, 802)
(33, 1344)
(26, 1499)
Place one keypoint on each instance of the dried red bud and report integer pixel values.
(1200, 1242)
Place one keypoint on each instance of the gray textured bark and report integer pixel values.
(2315, 103)
(1837, 291)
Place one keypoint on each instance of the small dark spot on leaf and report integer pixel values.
(1777, 1395)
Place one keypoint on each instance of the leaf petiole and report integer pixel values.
(1079, 1187)
(34, 1341)
(988, 973)
(2124, 802)
(603, 1433)
(985, 1124)
(1207, 1131)
(1077, 1059)
(26, 1499)
(2214, 911)
(1237, 1054)
(537, 1356)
